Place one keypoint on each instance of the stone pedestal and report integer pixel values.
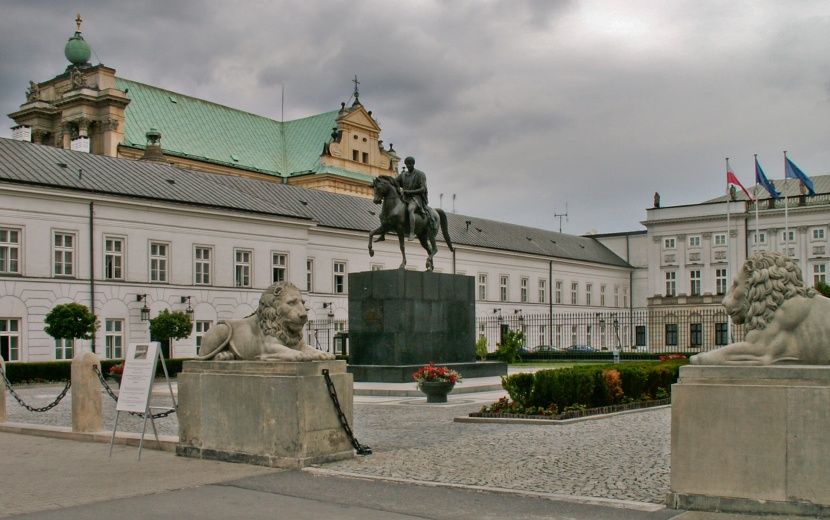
(751, 440)
(400, 319)
(87, 408)
(266, 413)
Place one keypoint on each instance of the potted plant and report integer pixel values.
(436, 382)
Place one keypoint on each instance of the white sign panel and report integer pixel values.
(137, 381)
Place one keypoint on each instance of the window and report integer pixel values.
(64, 254)
(201, 265)
(543, 335)
(199, 328)
(589, 289)
(365, 158)
(720, 239)
(10, 338)
(788, 236)
(482, 287)
(64, 348)
(671, 280)
(694, 281)
(559, 335)
(558, 291)
(759, 238)
(720, 281)
(309, 275)
(114, 339)
(355, 154)
(543, 290)
(602, 295)
(640, 335)
(818, 234)
(574, 336)
(377, 267)
(819, 273)
(279, 261)
(696, 334)
(588, 331)
(671, 334)
(524, 284)
(158, 262)
(574, 293)
(339, 277)
(616, 296)
(625, 297)
(669, 243)
(721, 334)
(242, 268)
(694, 241)
(503, 288)
(113, 258)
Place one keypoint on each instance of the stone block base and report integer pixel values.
(403, 373)
(751, 440)
(264, 413)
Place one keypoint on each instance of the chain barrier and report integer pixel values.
(360, 448)
(115, 397)
(31, 408)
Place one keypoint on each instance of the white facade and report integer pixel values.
(218, 262)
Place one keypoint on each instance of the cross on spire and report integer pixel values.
(78, 21)
(356, 83)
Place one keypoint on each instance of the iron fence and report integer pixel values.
(328, 335)
(648, 331)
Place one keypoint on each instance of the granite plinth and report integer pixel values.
(275, 414)
(399, 317)
(751, 440)
(403, 373)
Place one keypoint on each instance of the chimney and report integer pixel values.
(152, 152)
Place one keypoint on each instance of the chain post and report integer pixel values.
(360, 448)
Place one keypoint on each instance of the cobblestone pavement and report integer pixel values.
(624, 457)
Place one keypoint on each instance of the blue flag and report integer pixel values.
(761, 178)
(794, 172)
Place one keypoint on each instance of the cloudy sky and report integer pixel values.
(520, 108)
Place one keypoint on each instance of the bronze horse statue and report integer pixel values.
(394, 216)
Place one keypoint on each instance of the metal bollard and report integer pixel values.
(87, 409)
(2, 393)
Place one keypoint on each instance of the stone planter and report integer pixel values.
(436, 391)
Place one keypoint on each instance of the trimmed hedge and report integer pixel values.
(587, 384)
(61, 370)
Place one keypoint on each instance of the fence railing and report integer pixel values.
(651, 331)
(328, 335)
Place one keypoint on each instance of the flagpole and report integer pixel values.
(786, 209)
(757, 230)
(728, 246)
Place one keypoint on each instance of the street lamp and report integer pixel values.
(330, 307)
(145, 311)
(189, 309)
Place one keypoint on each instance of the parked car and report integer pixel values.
(580, 348)
(547, 348)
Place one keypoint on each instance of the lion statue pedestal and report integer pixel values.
(276, 414)
(750, 423)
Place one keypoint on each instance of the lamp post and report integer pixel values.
(145, 310)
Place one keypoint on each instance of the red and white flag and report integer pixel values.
(732, 180)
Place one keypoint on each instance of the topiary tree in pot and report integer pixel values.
(71, 321)
(170, 325)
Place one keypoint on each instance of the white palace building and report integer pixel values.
(131, 199)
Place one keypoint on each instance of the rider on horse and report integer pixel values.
(413, 190)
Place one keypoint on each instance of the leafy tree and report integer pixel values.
(823, 289)
(508, 350)
(481, 348)
(170, 325)
(71, 321)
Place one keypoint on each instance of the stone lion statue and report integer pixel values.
(273, 333)
(787, 322)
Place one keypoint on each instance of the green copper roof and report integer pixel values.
(201, 130)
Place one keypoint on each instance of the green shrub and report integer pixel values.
(592, 385)
(508, 350)
(481, 348)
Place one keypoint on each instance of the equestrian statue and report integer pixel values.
(405, 212)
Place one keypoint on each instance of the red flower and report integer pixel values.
(433, 373)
